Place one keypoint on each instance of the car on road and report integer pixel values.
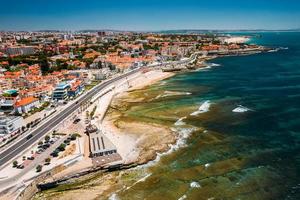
(29, 136)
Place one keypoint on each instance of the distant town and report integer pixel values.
(52, 81)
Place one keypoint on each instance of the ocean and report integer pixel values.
(238, 123)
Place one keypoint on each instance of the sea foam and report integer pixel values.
(183, 134)
(203, 108)
(180, 122)
(113, 197)
(182, 197)
(172, 93)
(195, 184)
(212, 65)
(241, 109)
(138, 181)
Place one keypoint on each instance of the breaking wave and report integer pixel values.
(241, 109)
(183, 134)
(203, 108)
(182, 197)
(278, 49)
(172, 93)
(213, 65)
(195, 184)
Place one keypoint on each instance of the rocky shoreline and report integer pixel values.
(147, 140)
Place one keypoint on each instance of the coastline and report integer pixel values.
(134, 147)
(138, 149)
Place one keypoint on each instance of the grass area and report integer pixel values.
(35, 110)
(93, 84)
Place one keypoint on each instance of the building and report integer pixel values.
(61, 91)
(10, 124)
(8, 101)
(26, 104)
(26, 50)
(76, 88)
(100, 145)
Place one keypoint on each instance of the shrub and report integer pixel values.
(15, 163)
(73, 137)
(39, 168)
(48, 160)
(62, 147)
(47, 138)
(54, 153)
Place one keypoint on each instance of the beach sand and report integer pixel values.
(136, 142)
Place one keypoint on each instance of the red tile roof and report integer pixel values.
(26, 101)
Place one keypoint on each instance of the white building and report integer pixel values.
(10, 124)
(26, 104)
(100, 145)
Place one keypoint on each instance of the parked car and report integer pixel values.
(76, 121)
(20, 166)
(30, 158)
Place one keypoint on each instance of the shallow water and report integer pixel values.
(240, 155)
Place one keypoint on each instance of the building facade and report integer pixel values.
(10, 124)
(61, 91)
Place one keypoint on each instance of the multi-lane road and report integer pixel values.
(15, 149)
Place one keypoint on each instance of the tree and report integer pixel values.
(40, 143)
(47, 138)
(15, 163)
(39, 168)
(47, 160)
(62, 147)
(73, 137)
(43, 61)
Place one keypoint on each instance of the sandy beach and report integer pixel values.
(136, 142)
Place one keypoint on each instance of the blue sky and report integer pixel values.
(149, 15)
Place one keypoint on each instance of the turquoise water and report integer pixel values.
(241, 155)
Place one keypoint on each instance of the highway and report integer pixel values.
(42, 130)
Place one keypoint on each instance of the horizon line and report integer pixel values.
(162, 30)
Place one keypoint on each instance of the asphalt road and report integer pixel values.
(39, 132)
